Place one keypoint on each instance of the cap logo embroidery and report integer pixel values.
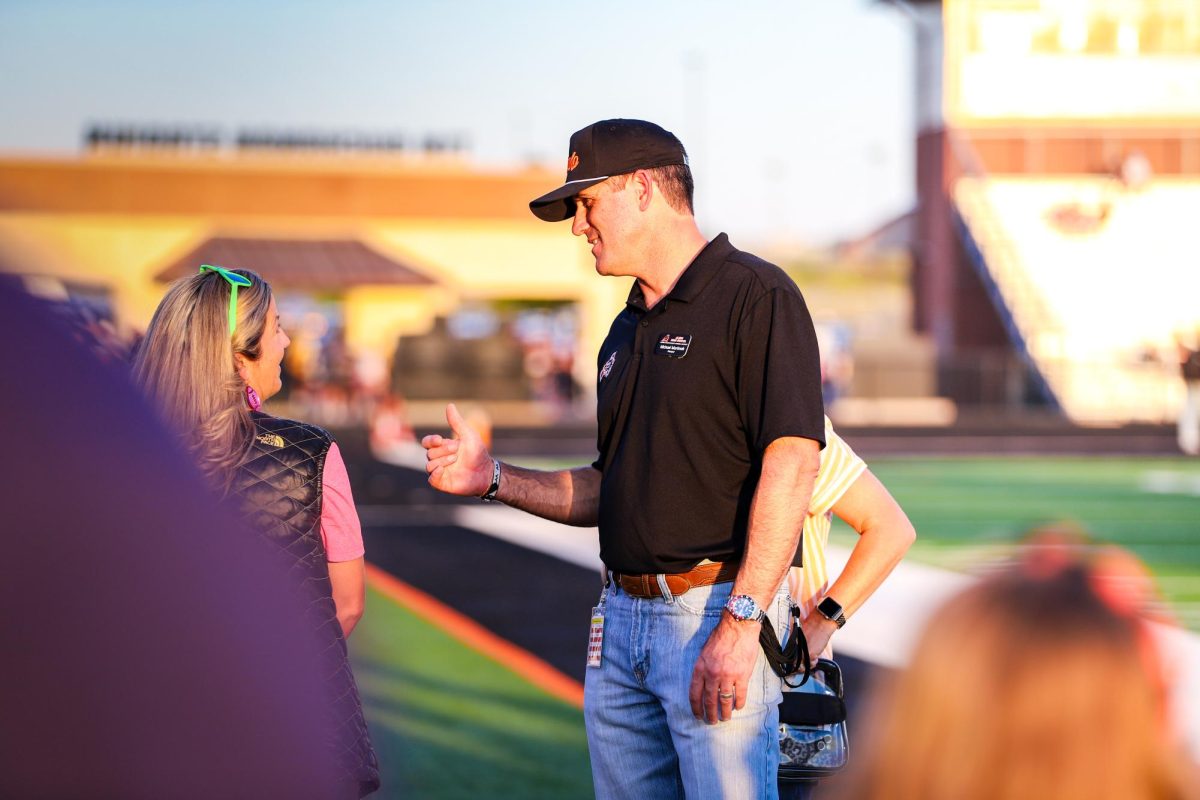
(572, 162)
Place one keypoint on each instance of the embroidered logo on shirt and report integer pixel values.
(606, 370)
(673, 345)
(271, 439)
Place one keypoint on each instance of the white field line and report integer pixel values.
(1162, 481)
(579, 546)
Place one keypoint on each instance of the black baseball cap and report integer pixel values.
(603, 149)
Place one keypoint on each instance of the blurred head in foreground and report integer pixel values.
(1041, 681)
(151, 648)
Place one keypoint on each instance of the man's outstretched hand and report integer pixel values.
(460, 465)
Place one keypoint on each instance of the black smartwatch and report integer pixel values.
(832, 610)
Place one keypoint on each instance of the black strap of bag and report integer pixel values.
(791, 658)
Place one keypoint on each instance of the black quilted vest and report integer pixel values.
(279, 484)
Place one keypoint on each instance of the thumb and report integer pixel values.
(458, 425)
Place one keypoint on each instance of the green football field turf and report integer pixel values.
(971, 510)
(450, 723)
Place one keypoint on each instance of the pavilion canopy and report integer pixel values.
(311, 264)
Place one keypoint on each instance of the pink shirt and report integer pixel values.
(340, 528)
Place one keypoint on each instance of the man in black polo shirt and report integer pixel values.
(710, 429)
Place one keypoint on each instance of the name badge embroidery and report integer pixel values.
(606, 370)
(673, 345)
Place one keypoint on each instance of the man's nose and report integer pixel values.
(579, 223)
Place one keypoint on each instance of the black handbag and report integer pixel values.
(813, 742)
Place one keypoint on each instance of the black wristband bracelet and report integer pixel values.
(490, 495)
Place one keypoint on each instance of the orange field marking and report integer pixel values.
(477, 637)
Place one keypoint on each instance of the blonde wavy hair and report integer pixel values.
(1039, 682)
(186, 365)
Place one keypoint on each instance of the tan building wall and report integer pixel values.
(117, 220)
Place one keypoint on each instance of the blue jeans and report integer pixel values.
(644, 742)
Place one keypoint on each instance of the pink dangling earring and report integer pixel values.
(252, 398)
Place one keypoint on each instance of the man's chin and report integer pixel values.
(607, 268)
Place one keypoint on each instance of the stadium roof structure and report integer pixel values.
(313, 264)
(897, 233)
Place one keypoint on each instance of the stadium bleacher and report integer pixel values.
(1094, 280)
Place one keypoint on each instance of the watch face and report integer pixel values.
(742, 607)
(830, 608)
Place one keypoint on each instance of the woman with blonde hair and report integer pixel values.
(210, 358)
(1042, 681)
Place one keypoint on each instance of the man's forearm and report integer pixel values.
(569, 496)
(777, 516)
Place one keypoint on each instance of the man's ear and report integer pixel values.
(644, 185)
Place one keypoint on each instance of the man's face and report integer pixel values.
(604, 213)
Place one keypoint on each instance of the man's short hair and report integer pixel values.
(674, 181)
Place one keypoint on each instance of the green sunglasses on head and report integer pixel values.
(235, 281)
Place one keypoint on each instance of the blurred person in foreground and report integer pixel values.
(710, 426)
(1046, 680)
(151, 646)
(210, 358)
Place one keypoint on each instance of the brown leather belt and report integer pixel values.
(678, 582)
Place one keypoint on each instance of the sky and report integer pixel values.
(798, 116)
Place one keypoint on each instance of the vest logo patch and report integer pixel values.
(606, 370)
(673, 345)
(271, 439)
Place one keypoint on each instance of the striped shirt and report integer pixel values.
(840, 468)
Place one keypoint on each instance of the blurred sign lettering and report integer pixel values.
(204, 137)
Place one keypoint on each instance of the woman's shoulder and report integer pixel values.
(280, 431)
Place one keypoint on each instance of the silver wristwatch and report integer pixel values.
(743, 608)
